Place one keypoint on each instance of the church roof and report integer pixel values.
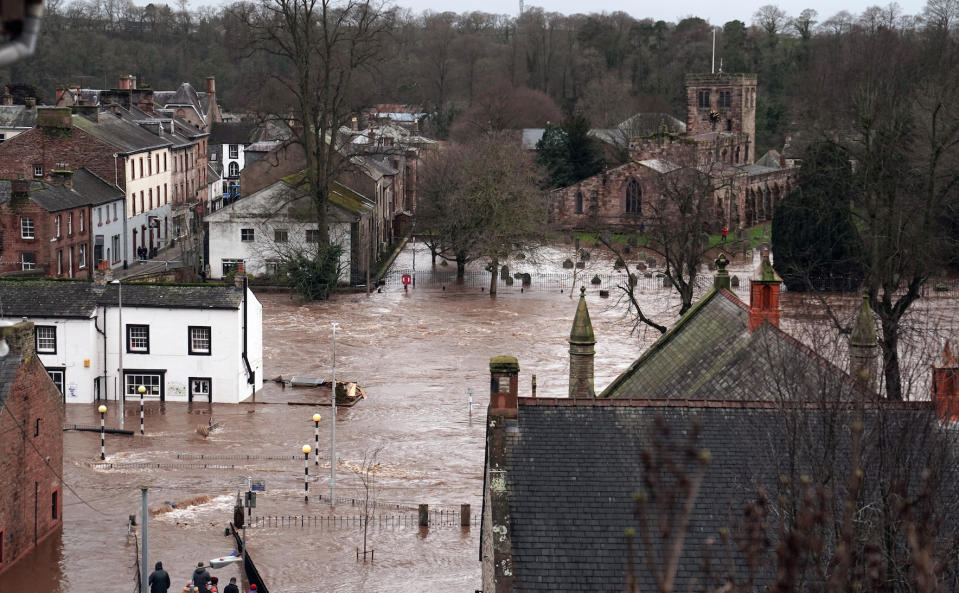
(710, 354)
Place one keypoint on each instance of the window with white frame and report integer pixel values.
(153, 382)
(281, 236)
(230, 266)
(246, 235)
(38, 170)
(138, 339)
(234, 151)
(28, 260)
(70, 223)
(81, 220)
(82, 256)
(56, 225)
(59, 261)
(56, 375)
(46, 338)
(201, 387)
(26, 227)
(199, 340)
(233, 169)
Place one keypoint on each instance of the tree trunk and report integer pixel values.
(890, 358)
(460, 267)
(494, 264)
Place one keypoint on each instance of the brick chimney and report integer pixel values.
(945, 386)
(582, 349)
(503, 386)
(240, 275)
(20, 338)
(764, 288)
(6, 98)
(211, 85)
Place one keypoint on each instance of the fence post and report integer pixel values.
(464, 515)
(424, 515)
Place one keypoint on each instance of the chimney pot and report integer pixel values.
(211, 85)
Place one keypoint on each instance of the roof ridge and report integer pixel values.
(642, 402)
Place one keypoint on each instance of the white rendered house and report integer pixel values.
(183, 343)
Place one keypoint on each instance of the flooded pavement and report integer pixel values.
(416, 353)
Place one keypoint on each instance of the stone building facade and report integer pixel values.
(31, 438)
(719, 139)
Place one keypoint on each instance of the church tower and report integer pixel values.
(725, 104)
(581, 351)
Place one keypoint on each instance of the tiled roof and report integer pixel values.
(50, 298)
(575, 465)
(8, 373)
(17, 116)
(710, 354)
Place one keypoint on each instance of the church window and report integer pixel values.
(634, 197)
(703, 99)
(579, 202)
(725, 99)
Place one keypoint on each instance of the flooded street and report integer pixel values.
(416, 354)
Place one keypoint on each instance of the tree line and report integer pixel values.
(475, 69)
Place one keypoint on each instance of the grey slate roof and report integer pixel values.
(8, 373)
(48, 298)
(127, 137)
(88, 189)
(17, 116)
(576, 464)
(709, 354)
(232, 132)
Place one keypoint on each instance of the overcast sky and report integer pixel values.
(716, 12)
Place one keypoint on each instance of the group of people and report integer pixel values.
(146, 253)
(201, 582)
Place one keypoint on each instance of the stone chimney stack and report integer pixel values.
(945, 386)
(721, 279)
(20, 338)
(354, 125)
(240, 276)
(764, 295)
(6, 98)
(503, 386)
(863, 346)
(582, 349)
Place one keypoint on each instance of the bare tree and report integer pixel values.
(481, 201)
(367, 473)
(326, 46)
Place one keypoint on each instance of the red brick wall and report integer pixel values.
(44, 229)
(22, 465)
(51, 148)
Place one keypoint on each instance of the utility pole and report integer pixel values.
(144, 521)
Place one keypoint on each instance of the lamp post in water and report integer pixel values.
(316, 436)
(103, 410)
(141, 390)
(306, 473)
(333, 325)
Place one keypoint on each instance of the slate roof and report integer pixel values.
(233, 132)
(9, 365)
(709, 354)
(88, 189)
(77, 299)
(17, 116)
(117, 131)
(575, 465)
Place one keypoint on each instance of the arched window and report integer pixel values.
(634, 197)
(234, 170)
(579, 202)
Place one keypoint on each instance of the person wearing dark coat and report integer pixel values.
(159, 579)
(231, 588)
(200, 577)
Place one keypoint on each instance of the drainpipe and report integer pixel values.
(103, 333)
(250, 377)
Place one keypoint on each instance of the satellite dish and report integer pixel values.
(20, 25)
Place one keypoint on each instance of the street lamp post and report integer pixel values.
(122, 396)
(333, 325)
(141, 390)
(103, 410)
(306, 473)
(316, 437)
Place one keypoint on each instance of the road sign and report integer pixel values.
(258, 485)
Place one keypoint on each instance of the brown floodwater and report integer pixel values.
(416, 354)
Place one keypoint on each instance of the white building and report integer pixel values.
(183, 343)
(260, 229)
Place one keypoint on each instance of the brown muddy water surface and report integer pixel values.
(415, 354)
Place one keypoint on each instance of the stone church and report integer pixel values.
(719, 139)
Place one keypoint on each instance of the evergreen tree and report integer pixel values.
(568, 153)
(813, 236)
